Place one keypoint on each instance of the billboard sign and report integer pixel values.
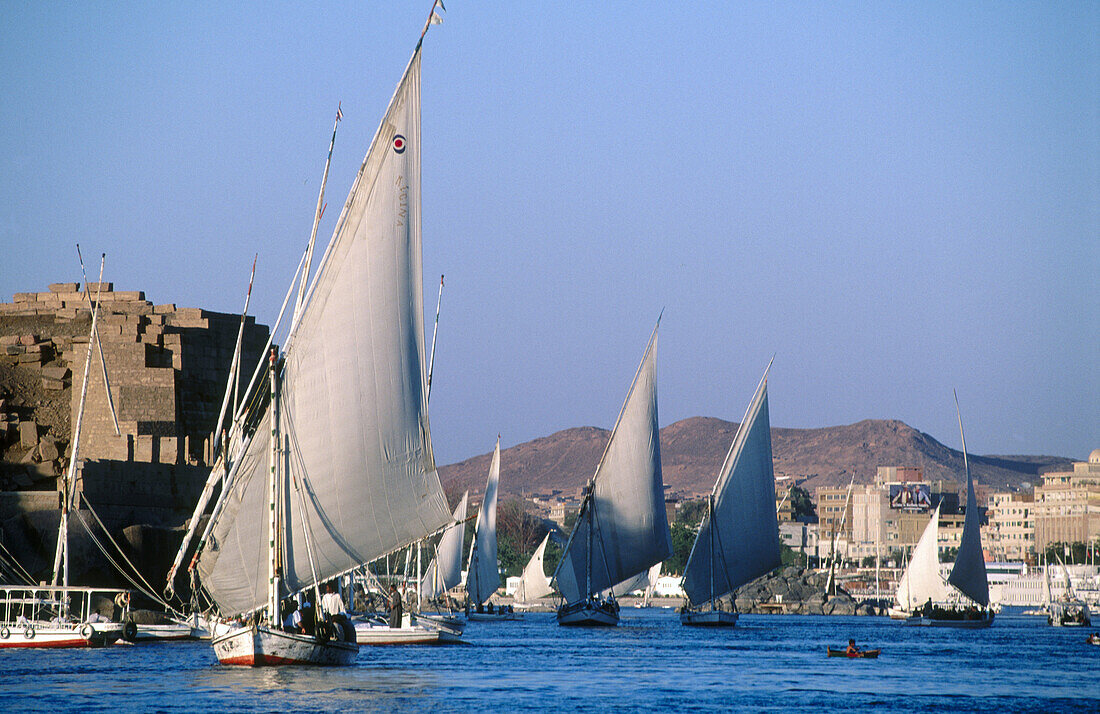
(911, 496)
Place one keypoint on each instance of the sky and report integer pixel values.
(894, 199)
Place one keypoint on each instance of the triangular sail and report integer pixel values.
(739, 541)
(921, 580)
(629, 531)
(533, 583)
(445, 570)
(483, 577)
(968, 574)
(357, 447)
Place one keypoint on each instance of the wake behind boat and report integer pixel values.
(621, 529)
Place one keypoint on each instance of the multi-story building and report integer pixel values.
(1067, 505)
(1011, 526)
(834, 512)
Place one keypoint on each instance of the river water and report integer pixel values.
(650, 662)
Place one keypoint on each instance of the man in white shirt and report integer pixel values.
(331, 602)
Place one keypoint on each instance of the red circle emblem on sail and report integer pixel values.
(399, 144)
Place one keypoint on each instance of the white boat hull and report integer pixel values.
(708, 618)
(418, 631)
(589, 613)
(59, 636)
(259, 645)
(163, 633)
(896, 613)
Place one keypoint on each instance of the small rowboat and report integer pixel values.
(861, 654)
(1093, 639)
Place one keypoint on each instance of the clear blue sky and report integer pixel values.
(894, 198)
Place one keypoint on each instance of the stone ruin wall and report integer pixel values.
(167, 369)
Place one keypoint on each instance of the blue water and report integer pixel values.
(650, 662)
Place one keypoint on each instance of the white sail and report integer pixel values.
(356, 443)
(739, 539)
(968, 573)
(445, 570)
(623, 515)
(483, 577)
(644, 580)
(921, 580)
(533, 583)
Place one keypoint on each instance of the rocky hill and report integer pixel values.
(692, 450)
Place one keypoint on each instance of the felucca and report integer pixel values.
(967, 575)
(738, 540)
(333, 467)
(60, 615)
(621, 529)
(482, 573)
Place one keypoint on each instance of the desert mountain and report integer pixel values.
(692, 451)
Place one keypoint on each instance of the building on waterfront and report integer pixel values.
(1067, 505)
(1011, 526)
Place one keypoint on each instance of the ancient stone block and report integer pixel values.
(15, 349)
(6, 340)
(30, 358)
(93, 288)
(28, 434)
(47, 449)
(24, 297)
(66, 313)
(64, 287)
(143, 449)
(161, 309)
(28, 340)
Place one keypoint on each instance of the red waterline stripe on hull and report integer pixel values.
(59, 643)
(262, 660)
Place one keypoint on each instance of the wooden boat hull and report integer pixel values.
(708, 618)
(862, 654)
(589, 613)
(259, 646)
(59, 636)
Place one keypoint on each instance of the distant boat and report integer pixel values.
(738, 540)
(1070, 611)
(921, 582)
(967, 575)
(533, 583)
(483, 573)
(57, 615)
(621, 529)
(335, 467)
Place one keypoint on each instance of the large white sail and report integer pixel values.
(968, 574)
(626, 505)
(739, 539)
(533, 583)
(362, 479)
(921, 580)
(445, 570)
(483, 577)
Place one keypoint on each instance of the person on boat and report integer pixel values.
(292, 619)
(309, 618)
(852, 649)
(396, 607)
(331, 602)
